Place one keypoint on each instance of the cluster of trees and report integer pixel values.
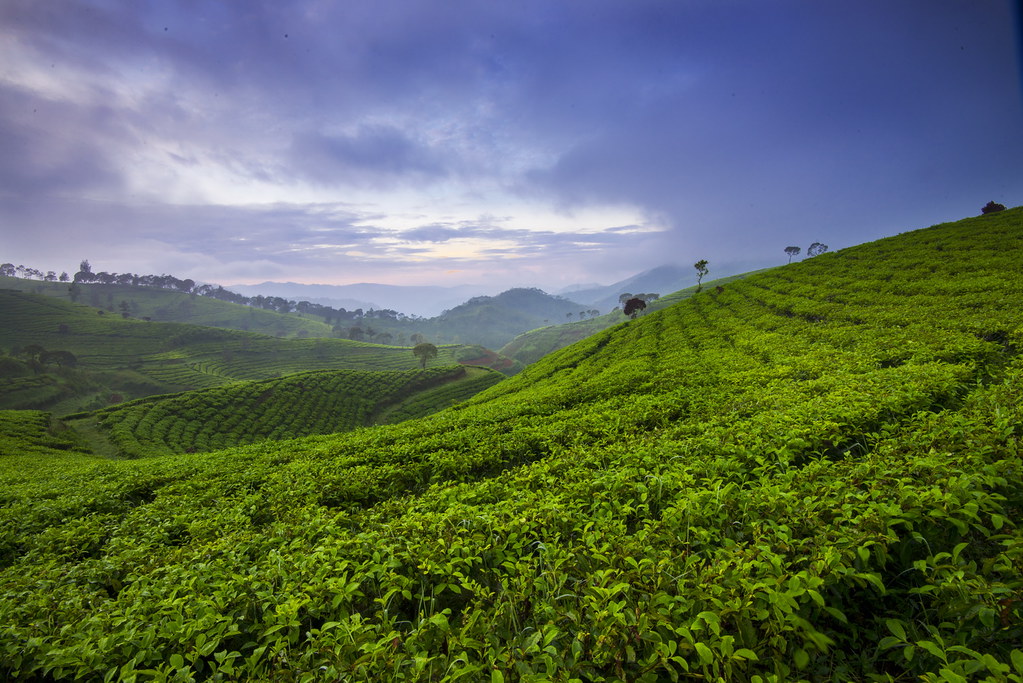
(37, 358)
(815, 249)
(85, 275)
(11, 270)
(592, 313)
(633, 304)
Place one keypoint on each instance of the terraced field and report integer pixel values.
(531, 346)
(302, 404)
(121, 359)
(814, 474)
(163, 305)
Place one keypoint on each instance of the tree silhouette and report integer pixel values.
(701, 271)
(816, 249)
(424, 352)
(992, 207)
(633, 307)
(792, 251)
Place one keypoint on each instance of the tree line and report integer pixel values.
(85, 275)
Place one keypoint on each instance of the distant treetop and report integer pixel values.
(992, 207)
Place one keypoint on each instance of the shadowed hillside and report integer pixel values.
(813, 474)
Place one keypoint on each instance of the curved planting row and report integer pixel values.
(321, 402)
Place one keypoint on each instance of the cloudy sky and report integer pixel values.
(535, 142)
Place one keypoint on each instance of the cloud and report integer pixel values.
(535, 139)
(373, 154)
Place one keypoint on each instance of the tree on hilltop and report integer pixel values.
(816, 249)
(633, 307)
(84, 273)
(992, 207)
(424, 352)
(701, 271)
(792, 251)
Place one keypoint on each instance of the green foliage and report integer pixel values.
(424, 352)
(811, 474)
(535, 344)
(163, 305)
(633, 307)
(319, 402)
(113, 357)
(701, 272)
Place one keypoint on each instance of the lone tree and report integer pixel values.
(633, 307)
(816, 249)
(792, 251)
(992, 207)
(424, 352)
(701, 271)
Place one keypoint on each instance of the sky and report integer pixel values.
(530, 143)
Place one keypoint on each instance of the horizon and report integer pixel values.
(539, 145)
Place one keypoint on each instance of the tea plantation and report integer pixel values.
(318, 402)
(166, 305)
(813, 474)
(117, 359)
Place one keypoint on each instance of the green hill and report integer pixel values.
(531, 346)
(164, 305)
(319, 402)
(813, 474)
(488, 321)
(117, 359)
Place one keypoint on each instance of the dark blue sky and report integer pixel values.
(535, 143)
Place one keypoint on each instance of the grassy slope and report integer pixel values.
(164, 305)
(303, 404)
(133, 358)
(531, 346)
(814, 474)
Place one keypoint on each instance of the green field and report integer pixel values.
(164, 305)
(531, 346)
(302, 404)
(813, 474)
(120, 359)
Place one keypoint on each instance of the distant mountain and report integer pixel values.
(661, 280)
(493, 321)
(426, 301)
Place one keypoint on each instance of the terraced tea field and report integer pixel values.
(121, 359)
(811, 475)
(302, 404)
(531, 346)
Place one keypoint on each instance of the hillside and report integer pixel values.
(163, 305)
(813, 474)
(303, 404)
(488, 321)
(533, 345)
(662, 280)
(116, 359)
(420, 300)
